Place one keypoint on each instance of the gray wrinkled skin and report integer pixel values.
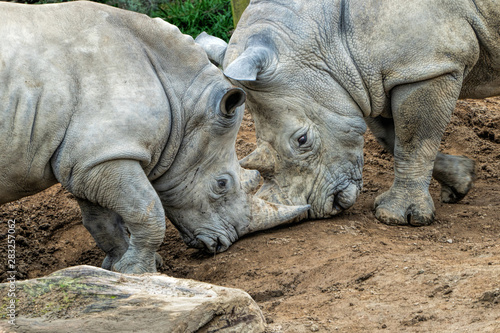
(321, 67)
(128, 115)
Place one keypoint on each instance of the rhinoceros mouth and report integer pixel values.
(337, 202)
(324, 204)
(334, 205)
(212, 244)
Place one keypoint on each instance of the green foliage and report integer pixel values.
(191, 16)
(195, 16)
(141, 6)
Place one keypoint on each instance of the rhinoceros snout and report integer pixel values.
(346, 198)
(220, 244)
(336, 203)
(192, 242)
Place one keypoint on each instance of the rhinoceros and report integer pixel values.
(130, 116)
(315, 71)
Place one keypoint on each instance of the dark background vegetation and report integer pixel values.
(191, 16)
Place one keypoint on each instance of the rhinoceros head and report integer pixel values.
(207, 195)
(309, 130)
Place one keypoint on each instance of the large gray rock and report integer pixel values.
(90, 299)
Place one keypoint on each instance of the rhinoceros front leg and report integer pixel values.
(455, 174)
(121, 188)
(420, 112)
(108, 231)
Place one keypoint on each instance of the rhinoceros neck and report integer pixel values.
(177, 62)
(331, 36)
(174, 140)
(188, 104)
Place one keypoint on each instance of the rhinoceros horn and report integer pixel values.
(260, 159)
(270, 191)
(266, 215)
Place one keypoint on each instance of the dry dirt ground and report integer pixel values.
(347, 274)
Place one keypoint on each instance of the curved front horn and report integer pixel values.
(266, 215)
(254, 61)
(270, 191)
(260, 159)
(213, 46)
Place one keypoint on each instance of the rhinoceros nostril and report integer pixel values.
(347, 197)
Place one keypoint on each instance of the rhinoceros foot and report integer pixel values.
(113, 258)
(456, 174)
(158, 260)
(132, 264)
(393, 208)
(109, 261)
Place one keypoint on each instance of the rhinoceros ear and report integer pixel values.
(254, 62)
(233, 98)
(213, 46)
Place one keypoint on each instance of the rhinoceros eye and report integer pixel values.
(302, 140)
(222, 183)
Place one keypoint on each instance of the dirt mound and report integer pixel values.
(349, 273)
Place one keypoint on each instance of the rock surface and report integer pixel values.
(90, 299)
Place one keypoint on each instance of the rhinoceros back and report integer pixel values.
(81, 83)
(35, 105)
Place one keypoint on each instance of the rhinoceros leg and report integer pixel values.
(421, 112)
(122, 187)
(109, 232)
(107, 229)
(456, 174)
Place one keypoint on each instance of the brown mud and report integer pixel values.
(349, 273)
